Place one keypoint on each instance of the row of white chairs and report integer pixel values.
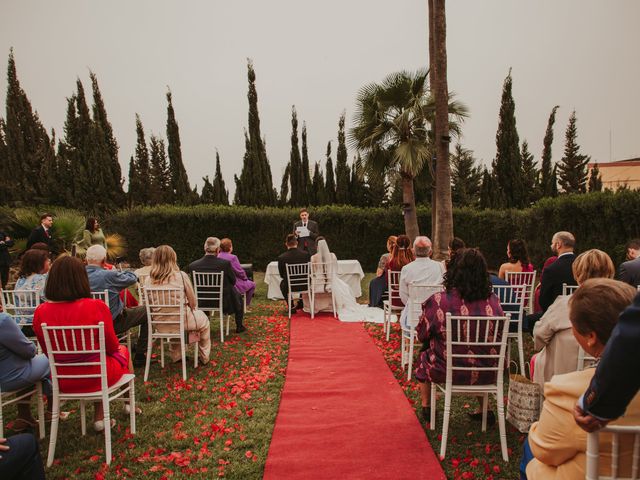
(311, 278)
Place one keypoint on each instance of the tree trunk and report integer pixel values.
(432, 72)
(444, 210)
(409, 208)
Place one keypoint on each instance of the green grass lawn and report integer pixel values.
(219, 422)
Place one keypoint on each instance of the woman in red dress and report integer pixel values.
(69, 303)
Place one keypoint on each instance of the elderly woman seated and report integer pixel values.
(146, 258)
(556, 442)
(243, 284)
(552, 335)
(468, 291)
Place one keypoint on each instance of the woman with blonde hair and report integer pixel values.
(165, 272)
(552, 334)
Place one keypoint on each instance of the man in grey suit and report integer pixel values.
(308, 233)
(629, 271)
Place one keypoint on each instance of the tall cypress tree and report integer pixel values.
(284, 185)
(465, 178)
(489, 195)
(159, 183)
(529, 175)
(377, 187)
(255, 184)
(139, 191)
(330, 183)
(358, 190)
(207, 191)
(28, 148)
(5, 178)
(306, 172)
(220, 192)
(112, 169)
(296, 177)
(573, 165)
(179, 180)
(595, 179)
(342, 169)
(316, 193)
(508, 164)
(546, 169)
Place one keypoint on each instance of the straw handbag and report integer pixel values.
(523, 407)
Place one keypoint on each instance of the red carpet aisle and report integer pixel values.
(342, 414)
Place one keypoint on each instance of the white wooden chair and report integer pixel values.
(512, 301)
(320, 276)
(166, 308)
(209, 289)
(298, 280)
(584, 360)
(88, 341)
(418, 293)
(528, 279)
(594, 455)
(393, 289)
(125, 337)
(20, 304)
(142, 279)
(490, 333)
(568, 289)
(23, 396)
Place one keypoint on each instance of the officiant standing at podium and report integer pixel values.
(307, 231)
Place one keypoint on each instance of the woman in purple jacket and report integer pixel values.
(244, 286)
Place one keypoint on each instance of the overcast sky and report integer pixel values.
(579, 54)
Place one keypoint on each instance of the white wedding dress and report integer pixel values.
(347, 309)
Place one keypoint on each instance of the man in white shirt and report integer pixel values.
(422, 270)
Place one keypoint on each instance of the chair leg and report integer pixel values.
(521, 350)
(107, 429)
(221, 327)
(183, 352)
(1, 418)
(312, 303)
(195, 355)
(228, 321)
(485, 407)
(162, 353)
(41, 422)
(387, 321)
(53, 435)
(403, 357)
(289, 304)
(501, 424)
(445, 421)
(433, 403)
(410, 359)
(132, 406)
(147, 362)
(83, 417)
(333, 301)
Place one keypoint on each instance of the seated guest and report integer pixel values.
(232, 301)
(558, 445)
(518, 259)
(292, 256)
(455, 244)
(146, 258)
(20, 458)
(401, 255)
(69, 303)
(536, 292)
(243, 284)
(421, 270)
(632, 249)
(165, 272)
(21, 367)
(114, 281)
(555, 275)
(468, 291)
(32, 275)
(378, 286)
(629, 271)
(552, 335)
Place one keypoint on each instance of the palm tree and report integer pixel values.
(391, 130)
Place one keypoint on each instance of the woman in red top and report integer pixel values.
(401, 255)
(69, 303)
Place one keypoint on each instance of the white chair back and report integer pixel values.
(512, 298)
(101, 295)
(584, 360)
(209, 291)
(529, 280)
(568, 289)
(622, 437)
(393, 286)
(393, 302)
(20, 304)
(320, 278)
(142, 279)
(298, 280)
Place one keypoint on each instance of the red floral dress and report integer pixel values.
(431, 330)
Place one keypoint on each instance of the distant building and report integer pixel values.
(618, 174)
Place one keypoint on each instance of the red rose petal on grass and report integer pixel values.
(248, 454)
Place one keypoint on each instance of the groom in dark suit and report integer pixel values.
(306, 242)
(292, 256)
(232, 301)
(42, 233)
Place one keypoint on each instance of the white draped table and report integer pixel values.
(349, 271)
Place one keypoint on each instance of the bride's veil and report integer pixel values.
(323, 251)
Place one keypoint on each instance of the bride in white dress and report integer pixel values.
(347, 309)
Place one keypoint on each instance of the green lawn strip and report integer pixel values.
(216, 424)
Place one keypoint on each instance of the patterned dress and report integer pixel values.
(431, 330)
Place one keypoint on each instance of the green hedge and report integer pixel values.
(603, 220)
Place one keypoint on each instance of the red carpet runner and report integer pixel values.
(342, 413)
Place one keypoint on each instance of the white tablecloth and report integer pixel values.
(349, 271)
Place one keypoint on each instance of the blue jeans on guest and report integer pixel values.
(22, 461)
(527, 456)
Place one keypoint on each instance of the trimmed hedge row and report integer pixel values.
(599, 220)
